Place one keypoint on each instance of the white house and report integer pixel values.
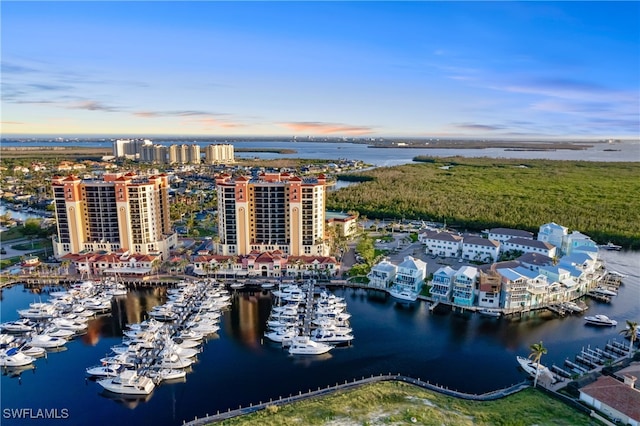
(576, 239)
(464, 285)
(533, 261)
(552, 233)
(443, 244)
(441, 283)
(382, 274)
(480, 249)
(503, 234)
(529, 246)
(620, 401)
(514, 292)
(411, 274)
(489, 289)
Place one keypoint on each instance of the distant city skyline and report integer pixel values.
(480, 70)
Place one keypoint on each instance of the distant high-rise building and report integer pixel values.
(173, 154)
(274, 211)
(219, 154)
(122, 212)
(130, 148)
(193, 154)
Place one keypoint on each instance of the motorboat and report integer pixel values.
(38, 311)
(534, 368)
(128, 382)
(268, 285)
(14, 358)
(165, 374)
(605, 291)
(237, 285)
(610, 246)
(5, 339)
(54, 331)
(33, 351)
(572, 306)
(109, 370)
(281, 334)
(18, 326)
(46, 341)
(172, 360)
(491, 313)
(327, 335)
(303, 345)
(600, 320)
(403, 294)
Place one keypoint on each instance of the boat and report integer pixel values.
(109, 370)
(18, 326)
(303, 345)
(129, 383)
(14, 358)
(403, 294)
(600, 320)
(610, 246)
(268, 285)
(572, 306)
(46, 341)
(32, 351)
(237, 285)
(604, 291)
(533, 368)
(489, 313)
(166, 374)
(281, 334)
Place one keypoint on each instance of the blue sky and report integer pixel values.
(409, 69)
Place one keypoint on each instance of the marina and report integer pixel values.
(390, 337)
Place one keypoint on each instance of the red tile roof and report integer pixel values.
(616, 395)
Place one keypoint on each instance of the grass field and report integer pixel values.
(395, 403)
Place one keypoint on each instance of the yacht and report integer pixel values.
(303, 345)
(129, 383)
(14, 358)
(281, 334)
(32, 351)
(600, 320)
(403, 294)
(530, 367)
(610, 246)
(327, 335)
(165, 374)
(489, 313)
(19, 326)
(605, 291)
(572, 306)
(46, 341)
(109, 370)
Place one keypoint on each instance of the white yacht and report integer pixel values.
(33, 351)
(327, 335)
(46, 341)
(281, 334)
(600, 320)
(129, 383)
(109, 370)
(14, 358)
(530, 367)
(303, 345)
(18, 326)
(403, 294)
(165, 374)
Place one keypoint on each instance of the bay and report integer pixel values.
(238, 367)
(599, 151)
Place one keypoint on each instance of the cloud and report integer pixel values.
(327, 128)
(11, 122)
(179, 113)
(13, 68)
(478, 126)
(91, 106)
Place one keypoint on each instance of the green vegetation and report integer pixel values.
(601, 200)
(14, 233)
(400, 403)
(5, 263)
(34, 245)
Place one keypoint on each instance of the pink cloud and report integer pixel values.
(326, 128)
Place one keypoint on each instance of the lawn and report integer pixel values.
(396, 403)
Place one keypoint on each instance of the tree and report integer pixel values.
(537, 350)
(632, 333)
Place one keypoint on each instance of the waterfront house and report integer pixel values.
(346, 224)
(410, 274)
(591, 251)
(574, 240)
(617, 400)
(503, 234)
(445, 244)
(382, 275)
(441, 283)
(480, 249)
(514, 294)
(537, 286)
(489, 286)
(317, 265)
(528, 246)
(552, 233)
(464, 284)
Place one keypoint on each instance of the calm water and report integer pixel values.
(464, 352)
(626, 151)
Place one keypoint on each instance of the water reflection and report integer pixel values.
(248, 317)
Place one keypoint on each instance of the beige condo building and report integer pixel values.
(273, 211)
(122, 213)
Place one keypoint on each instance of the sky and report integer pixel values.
(338, 69)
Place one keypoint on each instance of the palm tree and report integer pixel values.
(537, 350)
(631, 332)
